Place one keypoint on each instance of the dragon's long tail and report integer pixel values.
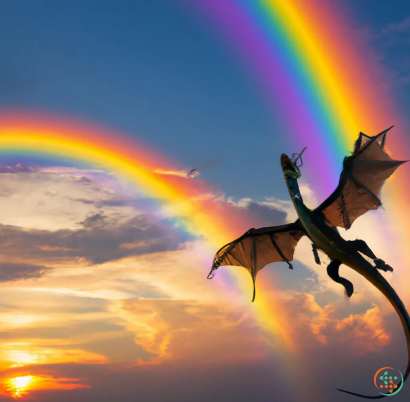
(384, 287)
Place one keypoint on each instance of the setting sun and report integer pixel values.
(18, 385)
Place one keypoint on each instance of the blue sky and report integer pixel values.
(385, 27)
(153, 69)
(148, 68)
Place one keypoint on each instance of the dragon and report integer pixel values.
(363, 176)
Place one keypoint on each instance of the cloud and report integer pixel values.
(245, 213)
(206, 342)
(127, 287)
(15, 272)
(77, 330)
(266, 213)
(68, 215)
(59, 200)
(99, 240)
(360, 333)
(174, 329)
(18, 168)
(121, 349)
(286, 206)
(94, 220)
(168, 382)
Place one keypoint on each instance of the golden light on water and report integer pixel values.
(18, 385)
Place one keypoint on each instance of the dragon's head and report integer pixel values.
(290, 166)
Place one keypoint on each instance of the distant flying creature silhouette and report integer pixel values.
(360, 184)
(193, 173)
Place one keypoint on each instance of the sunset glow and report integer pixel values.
(19, 387)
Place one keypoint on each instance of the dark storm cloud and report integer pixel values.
(96, 241)
(15, 272)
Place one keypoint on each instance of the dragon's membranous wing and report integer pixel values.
(260, 247)
(361, 181)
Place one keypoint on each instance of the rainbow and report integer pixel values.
(64, 142)
(325, 86)
(314, 69)
(24, 135)
(314, 72)
(310, 64)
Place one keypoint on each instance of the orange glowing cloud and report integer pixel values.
(23, 354)
(192, 331)
(363, 333)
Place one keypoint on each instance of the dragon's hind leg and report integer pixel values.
(361, 246)
(333, 272)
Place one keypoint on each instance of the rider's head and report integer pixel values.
(291, 167)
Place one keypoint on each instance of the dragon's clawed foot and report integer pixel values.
(380, 264)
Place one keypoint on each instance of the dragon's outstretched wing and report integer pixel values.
(259, 247)
(361, 181)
